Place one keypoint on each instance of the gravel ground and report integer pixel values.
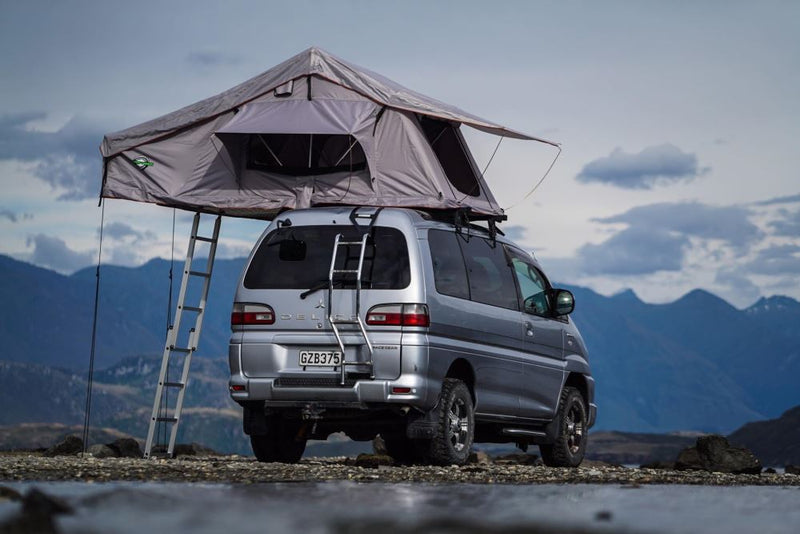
(241, 470)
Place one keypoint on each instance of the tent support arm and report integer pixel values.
(261, 138)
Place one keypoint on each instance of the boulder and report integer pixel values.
(71, 446)
(713, 453)
(126, 448)
(193, 449)
(379, 446)
(792, 469)
(98, 450)
(37, 514)
(9, 494)
(480, 458)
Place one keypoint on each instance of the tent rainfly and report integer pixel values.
(312, 131)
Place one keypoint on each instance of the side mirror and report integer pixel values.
(565, 302)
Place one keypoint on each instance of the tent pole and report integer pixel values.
(535, 187)
(90, 378)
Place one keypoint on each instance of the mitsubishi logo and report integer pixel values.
(320, 304)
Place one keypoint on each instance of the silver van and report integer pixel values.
(403, 323)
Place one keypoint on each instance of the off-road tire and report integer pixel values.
(570, 445)
(455, 429)
(280, 444)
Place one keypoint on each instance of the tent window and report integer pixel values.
(305, 154)
(451, 152)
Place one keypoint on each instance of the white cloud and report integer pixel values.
(52, 252)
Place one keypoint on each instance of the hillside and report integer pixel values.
(694, 364)
(46, 317)
(122, 400)
(775, 442)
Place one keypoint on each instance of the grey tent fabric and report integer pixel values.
(369, 141)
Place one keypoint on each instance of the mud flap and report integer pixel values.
(422, 425)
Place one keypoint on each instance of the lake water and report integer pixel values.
(378, 508)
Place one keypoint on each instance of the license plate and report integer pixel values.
(320, 358)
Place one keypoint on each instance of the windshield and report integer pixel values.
(299, 257)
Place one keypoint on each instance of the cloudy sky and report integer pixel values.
(679, 123)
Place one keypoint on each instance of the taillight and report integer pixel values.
(399, 315)
(251, 314)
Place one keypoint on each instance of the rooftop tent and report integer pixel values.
(314, 130)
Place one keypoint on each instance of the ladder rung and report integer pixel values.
(349, 242)
(344, 321)
(337, 271)
(167, 419)
(173, 384)
(200, 273)
(206, 239)
(192, 308)
(180, 349)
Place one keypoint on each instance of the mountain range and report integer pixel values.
(696, 364)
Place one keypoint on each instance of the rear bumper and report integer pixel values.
(274, 392)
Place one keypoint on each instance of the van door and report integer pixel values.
(544, 339)
(475, 315)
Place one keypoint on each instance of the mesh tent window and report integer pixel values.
(305, 154)
(452, 155)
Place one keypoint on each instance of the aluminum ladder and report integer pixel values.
(162, 412)
(336, 319)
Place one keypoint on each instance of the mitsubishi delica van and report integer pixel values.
(399, 322)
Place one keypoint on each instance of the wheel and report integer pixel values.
(280, 444)
(455, 431)
(570, 445)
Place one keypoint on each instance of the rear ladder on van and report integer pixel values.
(337, 319)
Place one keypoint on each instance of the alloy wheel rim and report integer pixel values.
(575, 423)
(458, 424)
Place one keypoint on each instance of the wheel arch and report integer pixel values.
(579, 382)
(462, 370)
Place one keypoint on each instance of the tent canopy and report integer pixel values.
(314, 130)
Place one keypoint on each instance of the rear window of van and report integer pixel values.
(299, 257)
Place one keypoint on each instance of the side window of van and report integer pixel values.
(533, 286)
(490, 278)
(449, 272)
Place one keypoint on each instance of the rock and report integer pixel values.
(99, 450)
(373, 460)
(792, 469)
(38, 511)
(714, 453)
(126, 448)
(8, 494)
(71, 446)
(603, 515)
(379, 446)
(479, 457)
(770, 471)
(658, 465)
(193, 449)
(518, 458)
